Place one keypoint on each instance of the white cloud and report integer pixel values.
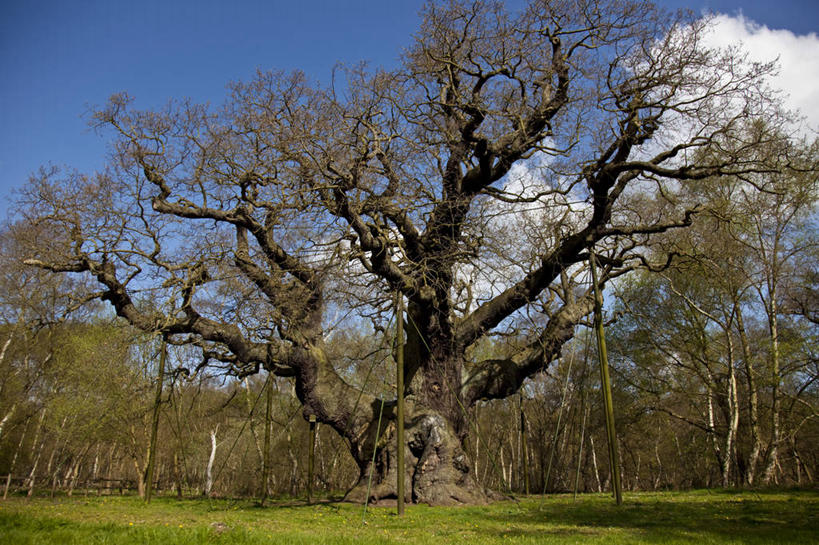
(798, 57)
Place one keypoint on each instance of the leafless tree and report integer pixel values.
(472, 180)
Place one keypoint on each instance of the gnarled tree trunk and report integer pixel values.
(441, 388)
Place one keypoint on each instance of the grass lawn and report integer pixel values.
(700, 517)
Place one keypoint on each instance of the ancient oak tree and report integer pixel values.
(473, 180)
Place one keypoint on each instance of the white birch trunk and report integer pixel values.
(6, 418)
(594, 464)
(209, 470)
(503, 469)
(733, 411)
(14, 460)
(753, 398)
(33, 474)
(9, 414)
(773, 449)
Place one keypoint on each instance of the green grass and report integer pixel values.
(702, 517)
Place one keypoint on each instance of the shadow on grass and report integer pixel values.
(722, 516)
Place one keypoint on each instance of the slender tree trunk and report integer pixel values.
(95, 469)
(503, 469)
(140, 481)
(10, 412)
(753, 398)
(253, 431)
(800, 464)
(268, 424)
(6, 418)
(710, 422)
(14, 459)
(678, 482)
(74, 471)
(109, 471)
(324, 476)
(524, 450)
(659, 477)
(160, 377)
(294, 465)
(773, 448)
(584, 412)
(212, 458)
(138, 467)
(53, 455)
(514, 451)
(733, 411)
(594, 463)
(33, 474)
(556, 438)
(176, 474)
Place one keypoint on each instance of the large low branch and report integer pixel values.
(494, 311)
(500, 378)
(229, 335)
(651, 228)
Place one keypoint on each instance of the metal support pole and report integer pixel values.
(606, 383)
(399, 386)
(311, 458)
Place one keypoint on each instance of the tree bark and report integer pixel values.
(772, 454)
(6, 418)
(268, 424)
(594, 463)
(733, 411)
(208, 488)
(176, 474)
(753, 398)
(14, 459)
(160, 377)
(524, 450)
(253, 432)
(33, 474)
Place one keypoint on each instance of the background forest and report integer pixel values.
(714, 363)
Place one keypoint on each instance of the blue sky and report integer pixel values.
(59, 58)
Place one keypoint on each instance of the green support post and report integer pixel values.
(606, 383)
(399, 386)
(311, 458)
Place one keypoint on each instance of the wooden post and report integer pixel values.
(606, 383)
(311, 458)
(399, 386)
(524, 446)
(160, 375)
